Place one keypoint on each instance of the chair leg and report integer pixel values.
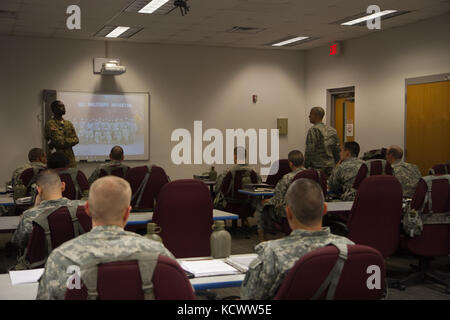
(435, 278)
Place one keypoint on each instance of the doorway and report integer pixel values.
(427, 121)
(341, 104)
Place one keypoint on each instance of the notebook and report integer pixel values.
(208, 268)
(241, 262)
(25, 276)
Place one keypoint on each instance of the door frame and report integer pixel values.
(419, 80)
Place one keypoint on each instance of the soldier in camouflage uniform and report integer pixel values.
(109, 206)
(60, 133)
(38, 161)
(343, 175)
(273, 209)
(304, 209)
(50, 188)
(407, 174)
(322, 143)
(116, 156)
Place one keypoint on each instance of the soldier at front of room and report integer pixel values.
(60, 133)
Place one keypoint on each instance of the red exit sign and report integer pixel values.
(334, 49)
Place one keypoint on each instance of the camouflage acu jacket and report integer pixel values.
(322, 147)
(275, 258)
(342, 178)
(62, 136)
(408, 175)
(101, 242)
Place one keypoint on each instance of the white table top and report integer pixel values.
(339, 206)
(29, 291)
(6, 199)
(9, 223)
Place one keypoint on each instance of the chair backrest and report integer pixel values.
(372, 168)
(308, 273)
(376, 214)
(283, 168)
(61, 230)
(158, 178)
(317, 175)
(230, 187)
(375, 154)
(435, 238)
(28, 176)
(119, 171)
(122, 281)
(440, 169)
(184, 211)
(81, 183)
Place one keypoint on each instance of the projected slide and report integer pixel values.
(105, 120)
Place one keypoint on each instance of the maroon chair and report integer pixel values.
(440, 169)
(74, 189)
(122, 281)
(61, 230)
(184, 211)
(283, 168)
(376, 214)
(237, 203)
(308, 274)
(434, 241)
(157, 179)
(28, 177)
(377, 167)
(317, 175)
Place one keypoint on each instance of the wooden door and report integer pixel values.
(344, 115)
(427, 124)
(339, 118)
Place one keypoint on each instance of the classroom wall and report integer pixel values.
(377, 65)
(186, 83)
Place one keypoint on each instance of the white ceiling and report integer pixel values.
(208, 20)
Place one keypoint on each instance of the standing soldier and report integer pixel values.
(322, 143)
(60, 133)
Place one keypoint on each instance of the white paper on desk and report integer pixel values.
(207, 268)
(25, 276)
(241, 262)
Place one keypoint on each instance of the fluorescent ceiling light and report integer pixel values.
(152, 6)
(285, 42)
(117, 32)
(369, 17)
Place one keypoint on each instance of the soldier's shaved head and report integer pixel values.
(396, 152)
(116, 153)
(318, 111)
(305, 199)
(109, 198)
(49, 185)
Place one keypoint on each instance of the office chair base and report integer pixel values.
(424, 273)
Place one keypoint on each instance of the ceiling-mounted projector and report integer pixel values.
(108, 66)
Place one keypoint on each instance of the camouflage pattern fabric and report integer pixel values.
(96, 174)
(275, 258)
(15, 180)
(62, 137)
(342, 178)
(408, 175)
(25, 227)
(322, 148)
(101, 243)
(264, 215)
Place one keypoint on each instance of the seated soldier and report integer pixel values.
(269, 210)
(109, 207)
(38, 161)
(407, 174)
(116, 157)
(240, 160)
(59, 161)
(49, 188)
(304, 210)
(343, 175)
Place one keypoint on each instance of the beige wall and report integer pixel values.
(377, 65)
(185, 83)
